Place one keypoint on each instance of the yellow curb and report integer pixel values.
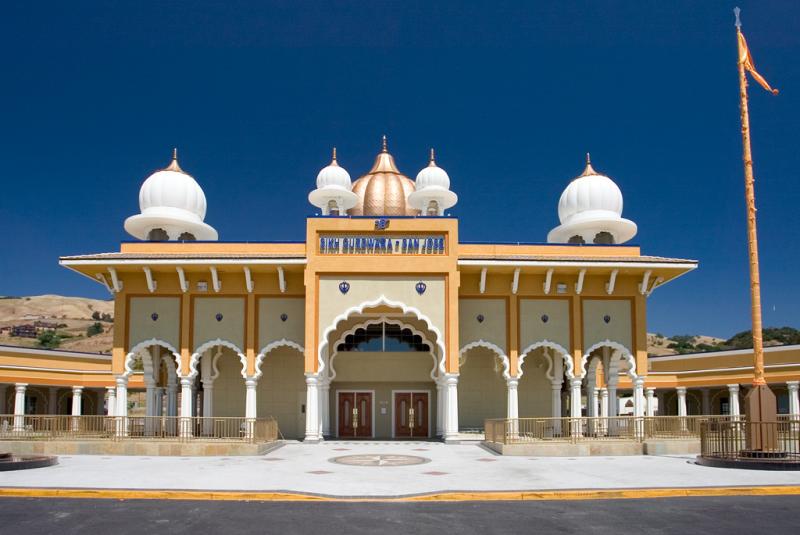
(203, 495)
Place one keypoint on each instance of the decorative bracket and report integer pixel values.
(548, 280)
(579, 284)
(612, 281)
(182, 279)
(483, 279)
(515, 282)
(248, 280)
(152, 284)
(215, 282)
(281, 279)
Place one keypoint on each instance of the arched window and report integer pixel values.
(577, 239)
(433, 208)
(333, 207)
(383, 338)
(605, 238)
(157, 234)
(186, 236)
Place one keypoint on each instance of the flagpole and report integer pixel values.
(750, 199)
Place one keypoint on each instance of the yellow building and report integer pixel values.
(381, 323)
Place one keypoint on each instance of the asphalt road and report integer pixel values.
(729, 515)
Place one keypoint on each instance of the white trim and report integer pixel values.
(645, 281)
(394, 427)
(482, 285)
(548, 281)
(182, 279)
(53, 352)
(151, 282)
(182, 261)
(515, 282)
(375, 321)
(144, 345)
(624, 351)
(612, 281)
(382, 300)
(493, 347)
(578, 264)
(59, 370)
(281, 280)
(195, 358)
(579, 284)
(115, 282)
(248, 280)
(283, 342)
(336, 399)
(215, 282)
(569, 366)
(726, 353)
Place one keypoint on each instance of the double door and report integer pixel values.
(355, 414)
(411, 415)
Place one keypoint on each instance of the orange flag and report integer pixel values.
(747, 60)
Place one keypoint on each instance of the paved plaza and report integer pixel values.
(385, 469)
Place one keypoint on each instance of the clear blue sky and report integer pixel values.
(511, 94)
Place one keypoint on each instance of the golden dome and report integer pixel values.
(384, 189)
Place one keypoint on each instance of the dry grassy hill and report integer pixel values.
(659, 345)
(74, 314)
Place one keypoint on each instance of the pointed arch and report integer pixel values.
(624, 352)
(569, 367)
(380, 301)
(283, 342)
(374, 321)
(493, 347)
(195, 358)
(142, 346)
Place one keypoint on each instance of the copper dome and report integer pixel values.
(384, 189)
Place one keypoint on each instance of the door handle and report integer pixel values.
(355, 418)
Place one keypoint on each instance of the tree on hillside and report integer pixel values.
(776, 335)
(94, 329)
(48, 339)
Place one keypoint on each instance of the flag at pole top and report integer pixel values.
(747, 60)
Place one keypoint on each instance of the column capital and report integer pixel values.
(512, 382)
(733, 388)
(110, 389)
(122, 380)
(250, 382)
(681, 390)
(187, 381)
(77, 389)
(20, 387)
(793, 386)
(451, 378)
(639, 381)
(312, 379)
(650, 390)
(576, 382)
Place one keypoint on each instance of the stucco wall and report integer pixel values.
(356, 366)
(207, 327)
(166, 325)
(482, 390)
(544, 319)
(281, 391)
(490, 327)
(270, 325)
(619, 327)
(534, 389)
(229, 389)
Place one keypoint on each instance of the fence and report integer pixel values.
(742, 439)
(630, 428)
(169, 428)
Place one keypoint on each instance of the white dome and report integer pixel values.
(172, 200)
(433, 175)
(591, 204)
(334, 175)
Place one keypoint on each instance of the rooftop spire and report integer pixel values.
(173, 165)
(432, 161)
(589, 169)
(384, 145)
(334, 154)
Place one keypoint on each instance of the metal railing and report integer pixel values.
(628, 428)
(741, 439)
(115, 428)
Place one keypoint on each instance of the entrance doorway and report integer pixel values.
(411, 415)
(354, 411)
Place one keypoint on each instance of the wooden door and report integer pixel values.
(355, 414)
(411, 415)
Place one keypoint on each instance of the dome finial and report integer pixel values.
(589, 169)
(173, 165)
(432, 161)
(384, 144)
(334, 154)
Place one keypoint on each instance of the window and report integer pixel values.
(157, 234)
(333, 207)
(433, 208)
(604, 238)
(383, 338)
(577, 239)
(186, 236)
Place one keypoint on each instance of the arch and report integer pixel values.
(141, 346)
(493, 347)
(373, 321)
(283, 342)
(195, 358)
(380, 301)
(623, 351)
(569, 367)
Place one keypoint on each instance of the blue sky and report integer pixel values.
(511, 94)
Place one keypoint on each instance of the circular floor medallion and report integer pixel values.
(386, 459)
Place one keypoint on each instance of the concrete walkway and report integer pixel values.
(306, 468)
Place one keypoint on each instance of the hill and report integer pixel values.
(73, 316)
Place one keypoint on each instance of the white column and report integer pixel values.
(159, 394)
(121, 411)
(19, 406)
(186, 406)
(681, 390)
(512, 404)
(440, 394)
(613, 402)
(150, 402)
(706, 401)
(603, 411)
(794, 399)
(575, 406)
(555, 391)
(250, 407)
(52, 400)
(77, 398)
(325, 407)
(651, 401)
(638, 406)
(591, 400)
(111, 400)
(312, 408)
(172, 400)
(733, 401)
(208, 406)
(451, 406)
